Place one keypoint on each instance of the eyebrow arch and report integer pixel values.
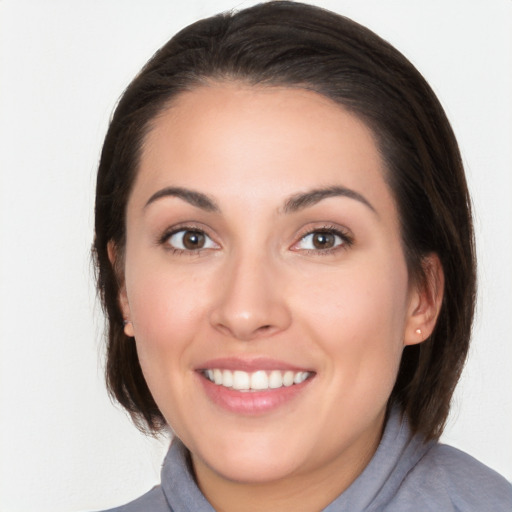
(304, 200)
(192, 197)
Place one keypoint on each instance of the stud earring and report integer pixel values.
(128, 328)
(418, 331)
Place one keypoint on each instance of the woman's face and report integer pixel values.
(264, 252)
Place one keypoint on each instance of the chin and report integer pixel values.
(249, 458)
(253, 468)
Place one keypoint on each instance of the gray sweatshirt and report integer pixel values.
(404, 475)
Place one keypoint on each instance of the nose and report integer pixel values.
(250, 302)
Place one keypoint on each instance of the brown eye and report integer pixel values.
(190, 240)
(193, 240)
(323, 240)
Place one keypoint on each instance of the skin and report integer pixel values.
(260, 288)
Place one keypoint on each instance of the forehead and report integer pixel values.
(232, 139)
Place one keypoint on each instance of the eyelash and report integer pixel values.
(346, 240)
(164, 239)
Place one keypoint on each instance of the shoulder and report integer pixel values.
(153, 501)
(466, 483)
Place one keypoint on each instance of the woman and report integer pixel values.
(285, 256)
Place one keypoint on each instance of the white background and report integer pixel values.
(63, 64)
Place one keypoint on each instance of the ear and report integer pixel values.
(115, 260)
(425, 301)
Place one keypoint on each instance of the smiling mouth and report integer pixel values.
(260, 380)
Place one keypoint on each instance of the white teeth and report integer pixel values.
(227, 378)
(241, 380)
(300, 377)
(257, 381)
(275, 380)
(217, 376)
(288, 378)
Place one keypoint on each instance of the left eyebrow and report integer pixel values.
(304, 200)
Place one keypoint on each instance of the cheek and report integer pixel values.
(165, 310)
(358, 318)
(162, 298)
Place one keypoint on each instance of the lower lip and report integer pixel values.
(251, 402)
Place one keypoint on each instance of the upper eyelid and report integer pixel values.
(344, 239)
(185, 226)
(344, 232)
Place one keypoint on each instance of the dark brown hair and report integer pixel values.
(291, 44)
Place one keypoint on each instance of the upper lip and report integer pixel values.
(249, 365)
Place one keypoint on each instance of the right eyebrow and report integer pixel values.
(197, 199)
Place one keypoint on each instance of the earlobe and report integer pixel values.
(426, 302)
(113, 256)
